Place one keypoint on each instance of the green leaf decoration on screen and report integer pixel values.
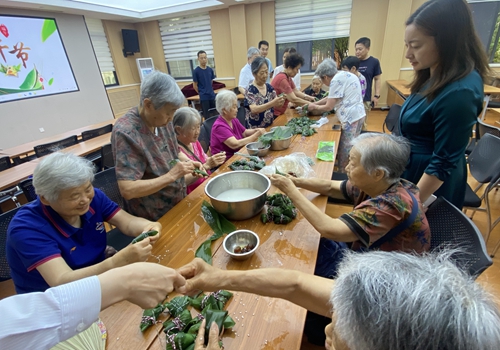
(30, 81)
(51, 80)
(48, 28)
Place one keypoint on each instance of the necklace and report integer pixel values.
(190, 152)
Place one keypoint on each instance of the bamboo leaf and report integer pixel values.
(48, 28)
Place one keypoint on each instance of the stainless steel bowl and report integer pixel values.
(241, 238)
(241, 208)
(257, 149)
(279, 145)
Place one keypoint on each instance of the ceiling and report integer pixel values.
(125, 10)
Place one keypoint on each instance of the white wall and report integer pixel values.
(20, 120)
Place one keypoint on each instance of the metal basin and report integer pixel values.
(257, 149)
(279, 145)
(241, 238)
(235, 186)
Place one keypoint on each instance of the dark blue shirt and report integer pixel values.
(370, 68)
(204, 77)
(38, 234)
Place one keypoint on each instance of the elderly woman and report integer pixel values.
(387, 212)
(260, 97)
(60, 237)
(145, 150)
(315, 89)
(187, 123)
(346, 97)
(374, 303)
(228, 135)
(283, 84)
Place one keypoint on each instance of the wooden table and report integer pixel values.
(398, 92)
(196, 98)
(12, 176)
(261, 322)
(27, 148)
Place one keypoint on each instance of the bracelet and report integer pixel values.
(376, 96)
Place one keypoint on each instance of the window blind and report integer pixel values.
(100, 44)
(298, 20)
(184, 36)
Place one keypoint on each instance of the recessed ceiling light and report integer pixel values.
(239, 0)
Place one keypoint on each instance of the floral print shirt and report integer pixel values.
(141, 155)
(346, 87)
(372, 218)
(254, 97)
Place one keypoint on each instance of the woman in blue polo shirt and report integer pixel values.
(60, 237)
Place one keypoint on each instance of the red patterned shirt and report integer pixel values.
(372, 218)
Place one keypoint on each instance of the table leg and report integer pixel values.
(486, 102)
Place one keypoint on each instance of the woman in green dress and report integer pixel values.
(450, 65)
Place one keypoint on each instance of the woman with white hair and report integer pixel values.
(379, 301)
(228, 134)
(187, 122)
(145, 150)
(60, 237)
(387, 214)
(346, 97)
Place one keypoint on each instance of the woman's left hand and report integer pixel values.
(216, 160)
(310, 98)
(283, 183)
(153, 226)
(312, 107)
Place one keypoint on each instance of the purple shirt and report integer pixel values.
(221, 131)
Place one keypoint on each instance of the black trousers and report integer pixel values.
(205, 106)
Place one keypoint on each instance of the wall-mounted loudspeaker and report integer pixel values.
(130, 42)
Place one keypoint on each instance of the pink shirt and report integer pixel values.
(282, 83)
(198, 151)
(221, 131)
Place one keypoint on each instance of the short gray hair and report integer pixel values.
(398, 301)
(161, 89)
(327, 68)
(257, 63)
(252, 51)
(61, 171)
(225, 100)
(186, 117)
(386, 152)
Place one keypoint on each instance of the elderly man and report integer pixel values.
(380, 301)
(146, 151)
(246, 76)
(60, 237)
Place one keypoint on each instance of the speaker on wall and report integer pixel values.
(130, 42)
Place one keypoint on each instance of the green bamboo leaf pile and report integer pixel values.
(302, 125)
(280, 210)
(219, 224)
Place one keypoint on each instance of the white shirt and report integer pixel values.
(41, 320)
(296, 79)
(269, 69)
(346, 87)
(246, 76)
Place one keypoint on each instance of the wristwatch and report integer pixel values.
(376, 96)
